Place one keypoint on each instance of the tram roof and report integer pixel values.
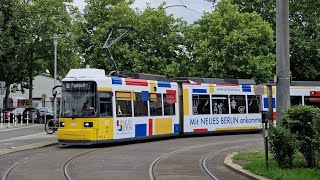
(145, 76)
(213, 80)
(297, 83)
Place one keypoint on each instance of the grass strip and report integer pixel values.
(254, 161)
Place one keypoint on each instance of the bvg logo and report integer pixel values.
(124, 125)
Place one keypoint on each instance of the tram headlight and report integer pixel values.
(61, 124)
(88, 124)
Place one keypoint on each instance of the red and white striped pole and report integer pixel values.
(1, 124)
(27, 118)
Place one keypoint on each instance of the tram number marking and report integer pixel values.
(73, 124)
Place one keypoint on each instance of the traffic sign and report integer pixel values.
(259, 89)
(43, 96)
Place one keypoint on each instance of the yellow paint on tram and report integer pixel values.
(74, 129)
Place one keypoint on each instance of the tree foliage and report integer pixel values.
(12, 35)
(154, 46)
(26, 40)
(230, 44)
(159, 43)
(304, 33)
(47, 18)
(102, 15)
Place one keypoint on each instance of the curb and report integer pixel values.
(4, 129)
(27, 147)
(239, 169)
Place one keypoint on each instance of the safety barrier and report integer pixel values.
(12, 120)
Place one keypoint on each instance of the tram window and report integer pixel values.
(78, 99)
(314, 101)
(220, 104)
(169, 106)
(140, 106)
(201, 104)
(123, 104)
(105, 104)
(295, 100)
(238, 104)
(155, 104)
(253, 104)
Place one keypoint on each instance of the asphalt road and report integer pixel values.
(174, 159)
(20, 131)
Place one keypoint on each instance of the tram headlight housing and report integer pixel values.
(62, 124)
(88, 124)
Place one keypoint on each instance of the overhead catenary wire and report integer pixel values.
(182, 5)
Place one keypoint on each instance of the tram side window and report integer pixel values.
(201, 104)
(140, 106)
(105, 104)
(238, 104)
(169, 104)
(123, 104)
(253, 104)
(295, 100)
(155, 104)
(314, 101)
(220, 104)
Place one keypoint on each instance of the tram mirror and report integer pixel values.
(54, 92)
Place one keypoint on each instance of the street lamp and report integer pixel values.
(55, 43)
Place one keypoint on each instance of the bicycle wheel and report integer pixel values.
(50, 127)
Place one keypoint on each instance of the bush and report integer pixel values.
(303, 122)
(283, 145)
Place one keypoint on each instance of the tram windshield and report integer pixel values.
(78, 99)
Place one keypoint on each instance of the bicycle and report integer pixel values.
(51, 126)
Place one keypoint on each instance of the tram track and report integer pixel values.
(66, 173)
(203, 161)
(204, 164)
(67, 163)
(7, 173)
(62, 161)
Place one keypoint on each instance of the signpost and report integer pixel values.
(259, 90)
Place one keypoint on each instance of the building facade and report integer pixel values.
(41, 95)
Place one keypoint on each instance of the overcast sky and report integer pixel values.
(194, 11)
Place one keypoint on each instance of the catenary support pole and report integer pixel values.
(55, 42)
(283, 61)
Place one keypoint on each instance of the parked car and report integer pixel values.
(32, 114)
(46, 111)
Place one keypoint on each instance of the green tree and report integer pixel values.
(304, 33)
(229, 44)
(12, 66)
(154, 46)
(159, 44)
(26, 40)
(101, 15)
(46, 18)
